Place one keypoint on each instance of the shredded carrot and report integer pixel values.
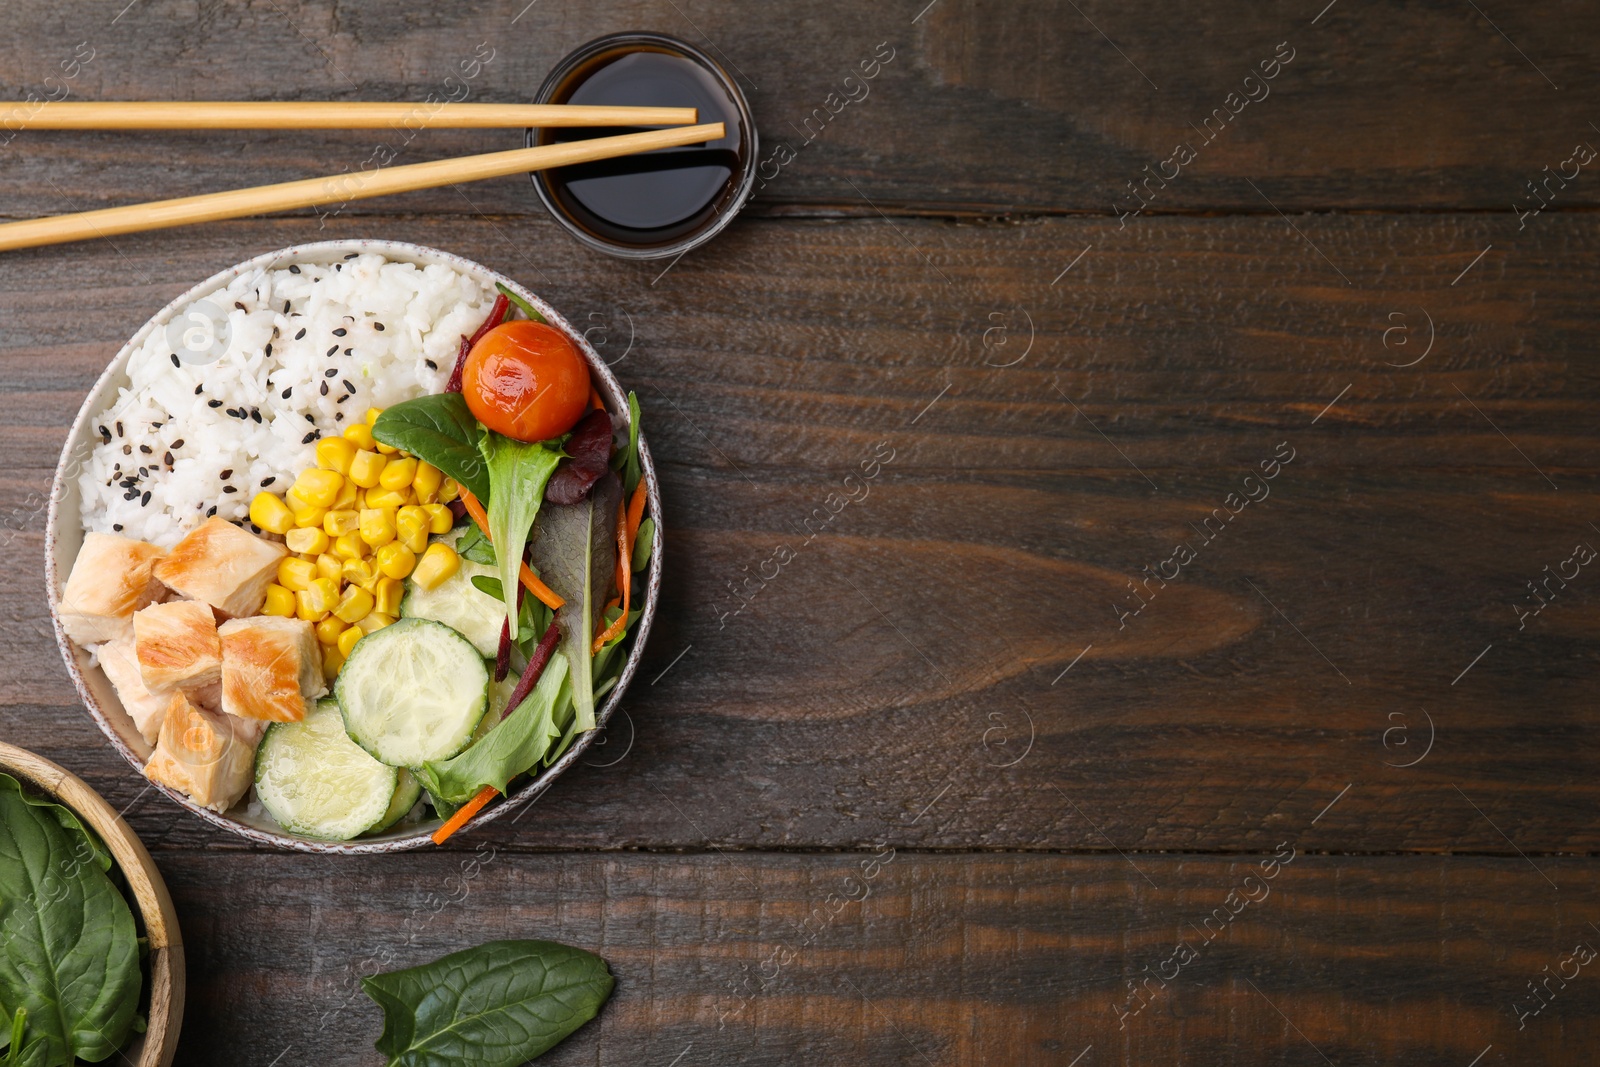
(546, 595)
(594, 399)
(635, 514)
(464, 814)
(624, 580)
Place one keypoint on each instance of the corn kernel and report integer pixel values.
(349, 492)
(411, 527)
(329, 629)
(305, 513)
(318, 487)
(330, 566)
(387, 450)
(438, 564)
(304, 610)
(360, 436)
(377, 526)
(296, 574)
(348, 639)
(426, 482)
(448, 491)
(366, 468)
(371, 416)
(322, 594)
(398, 474)
(280, 601)
(271, 513)
(395, 560)
(375, 620)
(355, 604)
(349, 546)
(440, 520)
(358, 572)
(341, 521)
(335, 454)
(388, 498)
(387, 594)
(332, 663)
(309, 540)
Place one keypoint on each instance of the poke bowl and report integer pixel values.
(274, 547)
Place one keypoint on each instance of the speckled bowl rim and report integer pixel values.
(64, 487)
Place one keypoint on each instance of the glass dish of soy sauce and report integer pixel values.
(656, 204)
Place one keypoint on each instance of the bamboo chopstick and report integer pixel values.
(355, 185)
(294, 115)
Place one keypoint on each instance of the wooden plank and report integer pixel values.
(1036, 108)
(884, 957)
(931, 630)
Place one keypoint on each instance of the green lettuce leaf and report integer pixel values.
(497, 1005)
(518, 471)
(69, 954)
(514, 745)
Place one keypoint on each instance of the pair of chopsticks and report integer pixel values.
(352, 185)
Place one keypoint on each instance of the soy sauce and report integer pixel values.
(658, 198)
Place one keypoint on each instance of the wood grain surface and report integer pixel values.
(1083, 559)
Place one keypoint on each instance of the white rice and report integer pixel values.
(423, 311)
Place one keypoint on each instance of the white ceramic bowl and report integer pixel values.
(64, 536)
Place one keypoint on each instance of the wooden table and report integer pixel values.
(1173, 692)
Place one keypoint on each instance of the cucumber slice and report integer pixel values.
(317, 782)
(411, 692)
(407, 792)
(459, 604)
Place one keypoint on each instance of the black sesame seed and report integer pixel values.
(338, 416)
(331, 372)
(342, 398)
(268, 480)
(308, 438)
(131, 494)
(212, 510)
(167, 459)
(119, 429)
(144, 501)
(299, 335)
(127, 450)
(226, 474)
(332, 350)
(175, 362)
(294, 268)
(338, 266)
(340, 332)
(178, 443)
(197, 389)
(378, 326)
(240, 305)
(352, 255)
(144, 472)
(146, 449)
(286, 307)
(255, 413)
(324, 389)
(348, 351)
(117, 526)
(106, 433)
(348, 387)
(269, 348)
(213, 403)
(431, 364)
(286, 392)
(127, 483)
(229, 489)
(310, 419)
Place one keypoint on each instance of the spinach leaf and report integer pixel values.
(475, 547)
(488, 586)
(527, 308)
(518, 471)
(497, 1005)
(439, 429)
(515, 744)
(574, 551)
(69, 955)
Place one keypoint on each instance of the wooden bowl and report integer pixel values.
(156, 1046)
(64, 536)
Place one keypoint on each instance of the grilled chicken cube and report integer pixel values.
(177, 645)
(224, 566)
(270, 667)
(111, 579)
(204, 754)
(121, 664)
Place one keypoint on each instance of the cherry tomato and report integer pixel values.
(526, 380)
